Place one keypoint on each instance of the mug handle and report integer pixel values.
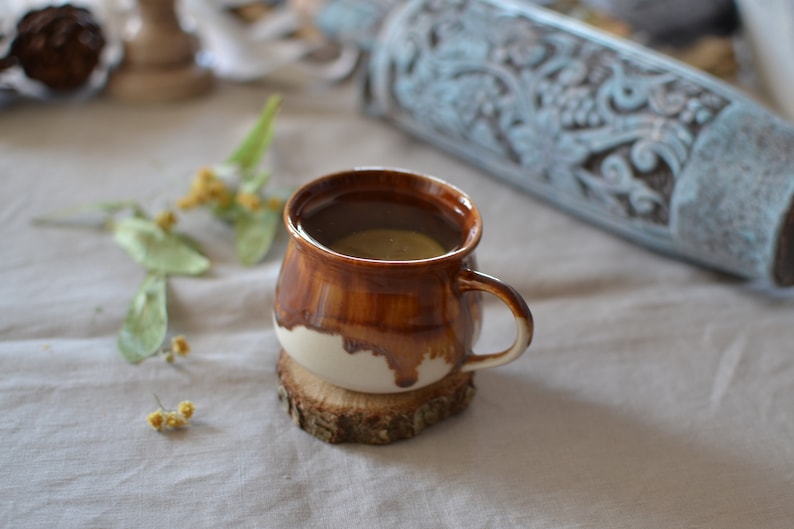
(469, 280)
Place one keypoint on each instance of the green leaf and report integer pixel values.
(189, 241)
(156, 249)
(254, 234)
(146, 322)
(254, 184)
(250, 152)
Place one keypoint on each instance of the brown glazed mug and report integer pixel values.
(378, 290)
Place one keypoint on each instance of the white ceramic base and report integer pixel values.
(325, 356)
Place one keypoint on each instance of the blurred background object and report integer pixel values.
(673, 22)
(250, 40)
(161, 61)
(59, 46)
(54, 49)
(701, 33)
(769, 30)
(162, 50)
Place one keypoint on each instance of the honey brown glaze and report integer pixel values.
(404, 311)
(404, 315)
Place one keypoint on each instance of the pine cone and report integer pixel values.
(58, 45)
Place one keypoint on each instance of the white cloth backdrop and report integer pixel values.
(655, 395)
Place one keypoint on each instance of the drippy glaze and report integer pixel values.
(403, 311)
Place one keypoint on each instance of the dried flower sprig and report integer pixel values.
(179, 347)
(164, 420)
(232, 190)
(161, 251)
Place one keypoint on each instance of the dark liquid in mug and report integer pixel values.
(383, 226)
(388, 244)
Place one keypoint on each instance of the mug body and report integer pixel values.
(377, 324)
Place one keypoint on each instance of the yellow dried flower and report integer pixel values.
(186, 408)
(166, 420)
(156, 419)
(224, 199)
(180, 345)
(205, 174)
(274, 204)
(198, 188)
(216, 189)
(203, 197)
(188, 202)
(175, 419)
(201, 183)
(165, 220)
(249, 201)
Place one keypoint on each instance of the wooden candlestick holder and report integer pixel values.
(337, 415)
(159, 59)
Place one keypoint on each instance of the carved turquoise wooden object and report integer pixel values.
(609, 131)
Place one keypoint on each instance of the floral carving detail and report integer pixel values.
(579, 118)
(542, 144)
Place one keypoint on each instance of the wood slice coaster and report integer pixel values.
(337, 415)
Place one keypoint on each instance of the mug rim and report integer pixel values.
(304, 193)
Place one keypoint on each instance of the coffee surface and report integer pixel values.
(383, 225)
(388, 244)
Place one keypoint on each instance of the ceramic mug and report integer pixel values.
(378, 291)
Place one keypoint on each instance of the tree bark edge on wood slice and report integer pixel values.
(337, 415)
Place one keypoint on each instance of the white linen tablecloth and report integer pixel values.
(656, 394)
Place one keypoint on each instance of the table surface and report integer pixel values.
(656, 394)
